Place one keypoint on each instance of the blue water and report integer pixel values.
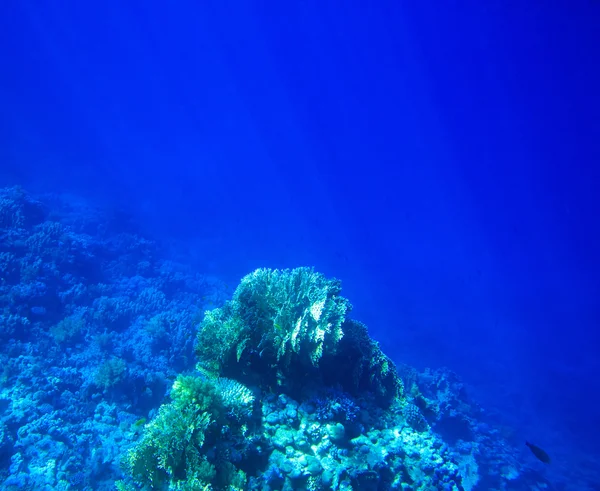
(441, 160)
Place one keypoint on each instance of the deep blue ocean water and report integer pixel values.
(441, 160)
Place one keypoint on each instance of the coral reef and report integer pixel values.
(121, 367)
(95, 327)
(330, 415)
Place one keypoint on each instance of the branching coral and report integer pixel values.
(236, 397)
(286, 316)
(170, 450)
(173, 450)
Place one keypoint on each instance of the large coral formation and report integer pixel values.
(341, 428)
(284, 327)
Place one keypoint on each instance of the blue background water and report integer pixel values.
(443, 161)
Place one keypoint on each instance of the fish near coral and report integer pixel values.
(539, 453)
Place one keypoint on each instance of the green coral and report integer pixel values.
(170, 448)
(172, 452)
(222, 333)
(286, 316)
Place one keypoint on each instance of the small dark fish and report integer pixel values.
(539, 453)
